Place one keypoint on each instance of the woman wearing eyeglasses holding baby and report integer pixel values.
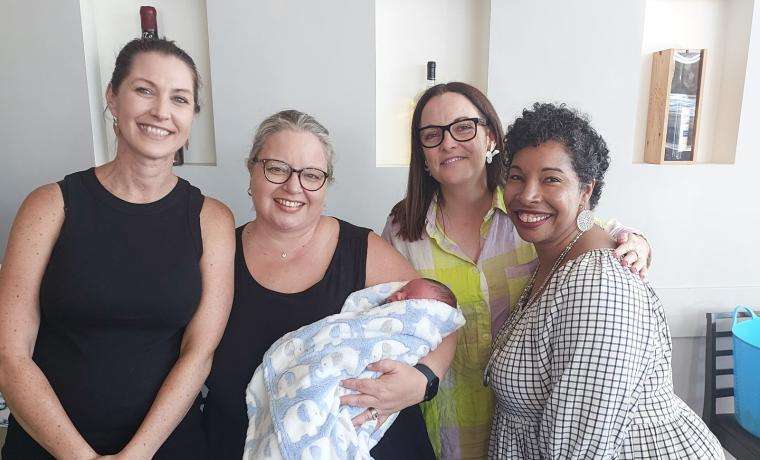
(295, 266)
(453, 226)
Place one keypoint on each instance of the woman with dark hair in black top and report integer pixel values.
(117, 284)
(294, 266)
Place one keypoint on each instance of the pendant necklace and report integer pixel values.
(284, 254)
(526, 300)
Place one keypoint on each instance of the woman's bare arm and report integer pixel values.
(401, 385)
(26, 389)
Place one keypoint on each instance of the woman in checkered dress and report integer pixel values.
(582, 368)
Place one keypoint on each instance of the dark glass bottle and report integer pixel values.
(148, 22)
(149, 26)
(430, 74)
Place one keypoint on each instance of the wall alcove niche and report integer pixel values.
(674, 106)
(107, 26)
(722, 28)
(404, 44)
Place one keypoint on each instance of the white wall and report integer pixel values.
(108, 26)
(454, 33)
(722, 28)
(44, 113)
(313, 56)
(95, 86)
(701, 219)
(264, 57)
(319, 57)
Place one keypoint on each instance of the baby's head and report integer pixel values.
(424, 288)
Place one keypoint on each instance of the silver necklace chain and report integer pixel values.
(283, 254)
(521, 308)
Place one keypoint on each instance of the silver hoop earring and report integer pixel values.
(585, 219)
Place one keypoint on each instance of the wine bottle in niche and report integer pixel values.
(430, 74)
(149, 25)
(148, 22)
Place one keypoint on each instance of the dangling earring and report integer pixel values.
(491, 154)
(115, 125)
(585, 219)
(250, 193)
(425, 167)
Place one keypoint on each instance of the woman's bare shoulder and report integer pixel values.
(43, 208)
(385, 263)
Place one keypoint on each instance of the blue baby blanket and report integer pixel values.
(293, 398)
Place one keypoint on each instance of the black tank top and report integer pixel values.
(259, 317)
(121, 285)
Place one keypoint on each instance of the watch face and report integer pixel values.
(432, 389)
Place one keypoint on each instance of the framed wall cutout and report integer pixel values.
(675, 97)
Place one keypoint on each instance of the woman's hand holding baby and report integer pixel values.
(398, 387)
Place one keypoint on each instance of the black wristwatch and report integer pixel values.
(432, 386)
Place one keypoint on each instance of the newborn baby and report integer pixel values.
(293, 399)
(424, 288)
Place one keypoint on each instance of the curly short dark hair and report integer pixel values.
(549, 122)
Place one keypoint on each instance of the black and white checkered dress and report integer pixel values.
(586, 374)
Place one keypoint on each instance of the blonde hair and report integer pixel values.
(292, 120)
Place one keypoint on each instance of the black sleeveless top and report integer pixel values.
(259, 317)
(121, 285)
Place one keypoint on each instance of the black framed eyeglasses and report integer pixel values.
(461, 130)
(279, 172)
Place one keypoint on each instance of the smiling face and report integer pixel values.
(288, 206)
(543, 194)
(154, 106)
(454, 162)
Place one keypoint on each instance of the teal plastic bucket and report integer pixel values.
(747, 371)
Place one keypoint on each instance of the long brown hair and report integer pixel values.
(410, 212)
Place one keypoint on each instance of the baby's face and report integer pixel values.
(415, 289)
